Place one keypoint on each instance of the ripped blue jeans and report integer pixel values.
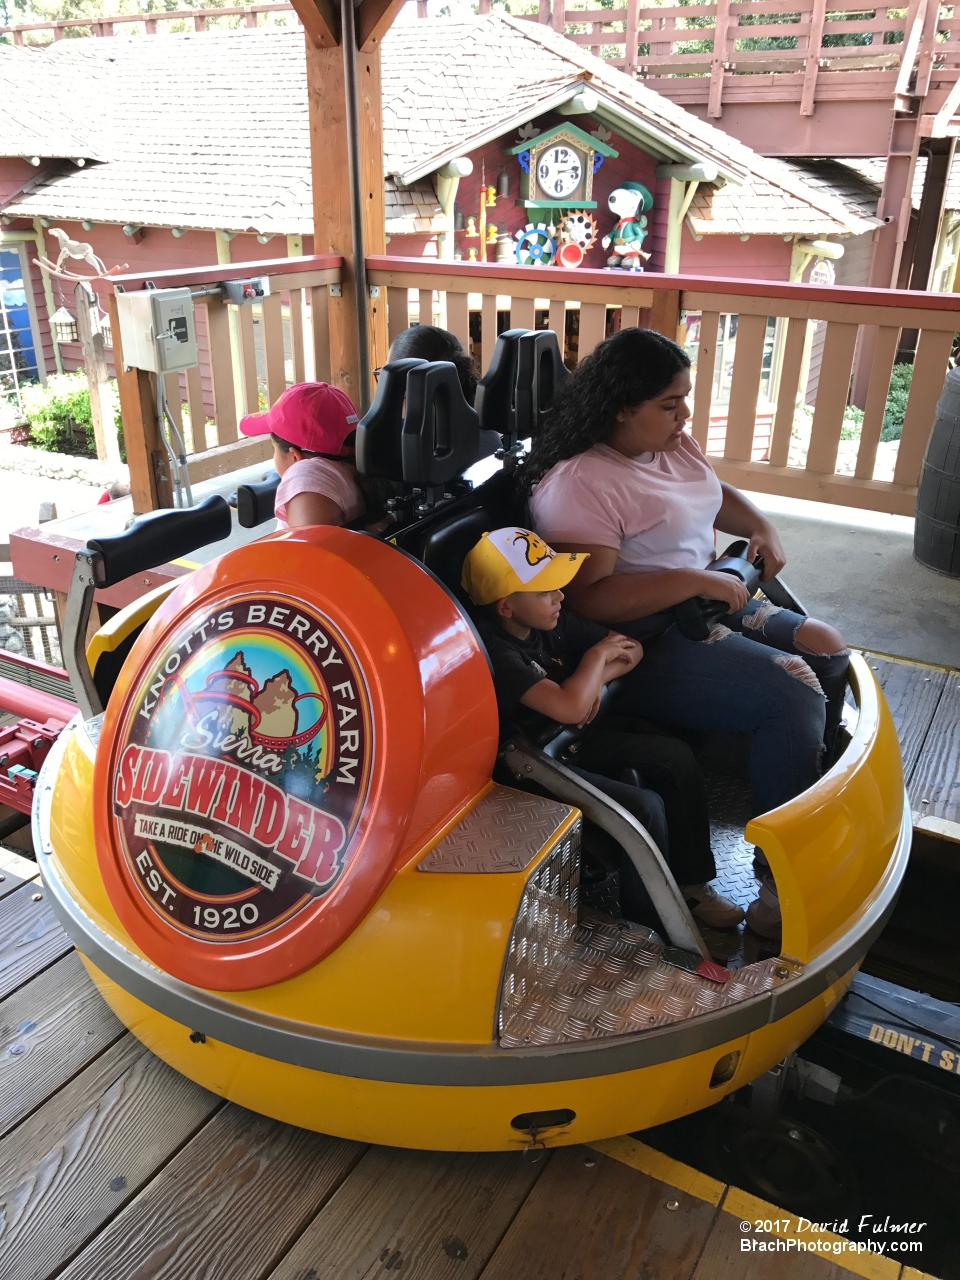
(749, 676)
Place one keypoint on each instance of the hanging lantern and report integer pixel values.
(503, 183)
(64, 326)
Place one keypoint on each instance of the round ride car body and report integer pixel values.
(285, 865)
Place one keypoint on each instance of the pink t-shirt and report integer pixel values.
(318, 475)
(657, 510)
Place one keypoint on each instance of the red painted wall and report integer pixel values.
(759, 258)
(14, 173)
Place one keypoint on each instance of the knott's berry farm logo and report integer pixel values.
(244, 768)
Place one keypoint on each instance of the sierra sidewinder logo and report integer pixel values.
(244, 768)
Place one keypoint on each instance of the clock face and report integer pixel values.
(559, 171)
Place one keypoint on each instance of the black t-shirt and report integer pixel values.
(520, 664)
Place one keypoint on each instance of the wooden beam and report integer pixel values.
(321, 22)
(150, 485)
(374, 20)
(331, 200)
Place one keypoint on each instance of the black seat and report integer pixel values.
(540, 375)
(497, 389)
(379, 452)
(441, 436)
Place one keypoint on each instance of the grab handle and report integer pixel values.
(157, 538)
(255, 502)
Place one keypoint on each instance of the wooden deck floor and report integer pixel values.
(113, 1167)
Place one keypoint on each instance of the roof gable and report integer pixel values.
(590, 142)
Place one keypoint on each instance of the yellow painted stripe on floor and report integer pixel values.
(187, 564)
(872, 1266)
(682, 1176)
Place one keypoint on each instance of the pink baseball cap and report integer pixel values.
(312, 415)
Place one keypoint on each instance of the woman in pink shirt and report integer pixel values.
(614, 473)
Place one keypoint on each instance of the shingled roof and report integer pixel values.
(211, 130)
(38, 118)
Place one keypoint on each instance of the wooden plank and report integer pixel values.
(426, 306)
(934, 787)
(811, 66)
(557, 321)
(715, 101)
(522, 313)
(221, 368)
(76, 1161)
(593, 321)
(15, 871)
(146, 456)
(632, 37)
(198, 415)
(629, 317)
(458, 317)
(248, 361)
(30, 937)
(488, 329)
(320, 324)
(915, 317)
(296, 335)
(236, 1197)
(561, 286)
(793, 482)
(664, 311)
(833, 390)
(229, 457)
(703, 388)
(601, 1221)
(271, 311)
(723, 1259)
(912, 693)
(436, 1216)
(791, 363)
(929, 368)
(745, 388)
(49, 1029)
(878, 385)
(398, 312)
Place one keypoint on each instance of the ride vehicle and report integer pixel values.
(273, 834)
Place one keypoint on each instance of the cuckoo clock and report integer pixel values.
(557, 168)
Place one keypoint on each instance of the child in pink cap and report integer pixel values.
(313, 427)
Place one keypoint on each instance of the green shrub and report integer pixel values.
(59, 415)
(900, 381)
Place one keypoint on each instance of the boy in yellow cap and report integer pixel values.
(550, 664)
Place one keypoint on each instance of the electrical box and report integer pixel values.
(244, 293)
(157, 330)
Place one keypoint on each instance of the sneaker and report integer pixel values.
(763, 914)
(711, 907)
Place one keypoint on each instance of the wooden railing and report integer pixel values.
(774, 363)
(106, 26)
(248, 356)
(731, 36)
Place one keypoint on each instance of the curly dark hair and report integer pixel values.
(428, 342)
(628, 368)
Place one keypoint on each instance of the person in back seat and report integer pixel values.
(548, 665)
(313, 426)
(428, 342)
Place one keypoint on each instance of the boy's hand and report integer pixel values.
(624, 656)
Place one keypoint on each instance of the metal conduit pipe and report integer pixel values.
(348, 36)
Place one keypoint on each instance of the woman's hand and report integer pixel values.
(723, 586)
(765, 542)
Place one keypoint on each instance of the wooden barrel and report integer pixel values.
(936, 538)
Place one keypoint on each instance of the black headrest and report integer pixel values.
(445, 547)
(496, 390)
(378, 432)
(441, 435)
(540, 375)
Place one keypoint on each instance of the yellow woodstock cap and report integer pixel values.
(513, 559)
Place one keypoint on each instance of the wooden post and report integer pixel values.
(665, 312)
(811, 66)
(95, 367)
(632, 37)
(150, 485)
(718, 61)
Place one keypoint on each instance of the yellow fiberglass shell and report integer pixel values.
(392, 1037)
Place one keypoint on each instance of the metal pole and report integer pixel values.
(348, 36)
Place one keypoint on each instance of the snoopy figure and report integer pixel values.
(630, 201)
